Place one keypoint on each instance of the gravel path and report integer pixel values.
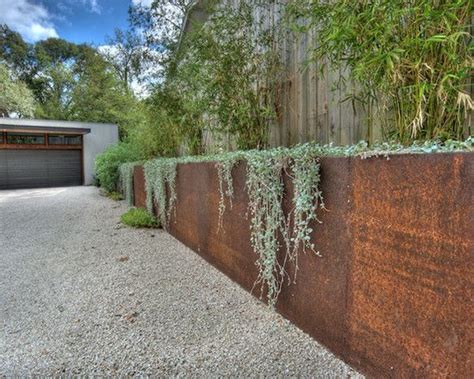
(79, 294)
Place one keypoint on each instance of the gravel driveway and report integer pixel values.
(80, 294)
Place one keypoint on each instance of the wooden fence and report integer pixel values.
(313, 99)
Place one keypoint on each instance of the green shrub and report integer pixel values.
(139, 218)
(107, 164)
(115, 196)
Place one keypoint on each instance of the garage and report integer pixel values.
(51, 153)
(39, 157)
(40, 168)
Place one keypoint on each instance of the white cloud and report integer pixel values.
(39, 31)
(95, 7)
(32, 21)
(145, 3)
(68, 5)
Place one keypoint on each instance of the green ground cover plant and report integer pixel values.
(139, 218)
(115, 196)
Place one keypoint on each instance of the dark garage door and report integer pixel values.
(40, 168)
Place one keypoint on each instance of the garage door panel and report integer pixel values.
(65, 170)
(3, 170)
(26, 168)
(42, 168)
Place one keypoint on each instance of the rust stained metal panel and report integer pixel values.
(393, 291)
(411, 311)
(139, 187)
(316, 302)
(196, 221)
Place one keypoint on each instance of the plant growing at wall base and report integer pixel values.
(139, 218)
(115, 196)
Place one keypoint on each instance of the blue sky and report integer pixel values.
(77, 21)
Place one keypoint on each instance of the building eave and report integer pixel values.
(43, 129)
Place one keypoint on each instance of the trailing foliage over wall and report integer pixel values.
(160, 177)
(271, 230)
(126, 181)
(412, 60)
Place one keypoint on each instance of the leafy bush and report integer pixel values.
(139, 218)
(107, 164)
(115, 196)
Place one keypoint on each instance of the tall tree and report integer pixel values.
(54, 79)
(100, 96)
(15, 97)
(125, 51)
(161, 23)
(68, 81)
(14, 51)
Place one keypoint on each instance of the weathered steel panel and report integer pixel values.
(196, 221)
(316, 302)
(411, 311)
(393, 291)
(139, 194)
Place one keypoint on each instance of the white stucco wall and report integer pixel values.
(100, 137)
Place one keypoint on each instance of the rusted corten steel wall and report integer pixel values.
(411, 302)
(139, 187)
(393, 291)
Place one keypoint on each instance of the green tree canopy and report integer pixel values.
(15, 96)
(57, 79)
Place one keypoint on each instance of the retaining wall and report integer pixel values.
(393, 291)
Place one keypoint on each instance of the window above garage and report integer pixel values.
(32, 140)
(25, 139)
(64, 139)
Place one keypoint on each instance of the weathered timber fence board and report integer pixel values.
(311, 98)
